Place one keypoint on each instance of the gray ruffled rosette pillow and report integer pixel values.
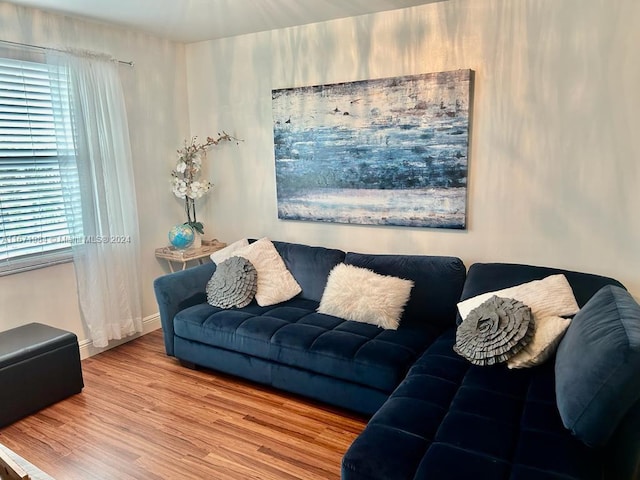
(233, 284)
(494, 331)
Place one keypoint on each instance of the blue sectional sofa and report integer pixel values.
(434, 415)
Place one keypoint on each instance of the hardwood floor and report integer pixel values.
(143, 416)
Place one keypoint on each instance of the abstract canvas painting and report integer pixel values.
(390, 151)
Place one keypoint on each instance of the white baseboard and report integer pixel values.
(149, 324)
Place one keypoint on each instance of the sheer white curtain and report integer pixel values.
(97, 178)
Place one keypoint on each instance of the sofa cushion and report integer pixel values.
(549, 300)
(487, 277)
(547, 297)
(275, 282)
(233, 284)
(361, 295)
(494, 331)
(294, 334)
(598, 366)
(490, 277)
(229, 251)
(450, 419)
(310, 266)
(437, 284)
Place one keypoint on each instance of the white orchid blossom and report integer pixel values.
(179, 187)
(186, 183)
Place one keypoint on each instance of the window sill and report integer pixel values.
(34, 262)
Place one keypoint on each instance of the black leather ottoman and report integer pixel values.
(39, 365)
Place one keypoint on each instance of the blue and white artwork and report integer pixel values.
(390, 151)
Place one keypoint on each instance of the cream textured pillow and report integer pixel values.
(228, 251)
(546, 338)
(549, 300)
(361, 295)
(275, 282)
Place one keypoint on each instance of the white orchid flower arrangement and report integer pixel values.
(186, 183)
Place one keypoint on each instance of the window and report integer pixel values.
(33, 226)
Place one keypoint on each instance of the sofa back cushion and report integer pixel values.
(487, 277)
(437, 280)
(598, 366)
(310, 266)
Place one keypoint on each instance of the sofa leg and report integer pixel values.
(189, 365)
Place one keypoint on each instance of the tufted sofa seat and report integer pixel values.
(293, 334)
(450, 420)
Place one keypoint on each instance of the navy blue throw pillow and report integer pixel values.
(598, 366)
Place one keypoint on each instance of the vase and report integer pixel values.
(197, 241)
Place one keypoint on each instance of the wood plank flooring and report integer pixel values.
(143, 416)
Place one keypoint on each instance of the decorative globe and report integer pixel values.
(181, 236)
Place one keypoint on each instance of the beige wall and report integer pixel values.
(555, 157)
(155, 91)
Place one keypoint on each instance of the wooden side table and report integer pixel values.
(173, 255)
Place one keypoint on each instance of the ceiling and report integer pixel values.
(196, 20)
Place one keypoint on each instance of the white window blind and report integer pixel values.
(33, 227)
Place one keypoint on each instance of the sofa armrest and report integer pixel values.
(177, 291)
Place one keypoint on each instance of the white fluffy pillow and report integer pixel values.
(228, 251)
(362, 295)
(549, 299)
(275, 282)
